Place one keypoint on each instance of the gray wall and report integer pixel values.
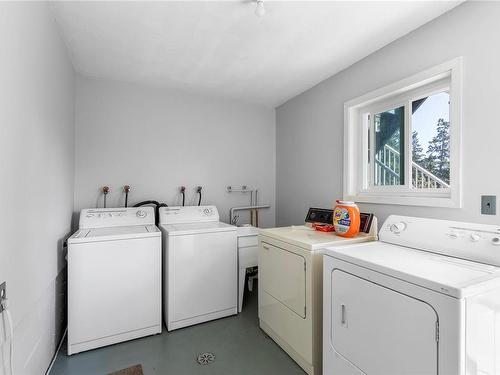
(36, 165)
(158, 139)
(310, 126)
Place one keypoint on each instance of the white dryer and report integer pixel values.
(114, 278)
(200, 266)
(423, 300)
(290, 286)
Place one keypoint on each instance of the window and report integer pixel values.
(402, 142)
(430, 141)
(388, 149)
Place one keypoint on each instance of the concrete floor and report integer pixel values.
(239, 345)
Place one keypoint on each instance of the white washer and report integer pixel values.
(425, 299)
(290, 288)
(200, 266)
(114, 278)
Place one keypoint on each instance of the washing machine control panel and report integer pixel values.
(104, 215)
(113, 217)
(398, 227)
(475, 235)
(188, 214)
(471, 241)
(141, 214)
(208, 211)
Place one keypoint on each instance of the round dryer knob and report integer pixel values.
(495, 241)
(398, 227)
(141, 213)
(474, 237)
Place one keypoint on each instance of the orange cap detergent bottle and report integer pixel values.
(346, 219)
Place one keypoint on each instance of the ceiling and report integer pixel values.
(221, 48)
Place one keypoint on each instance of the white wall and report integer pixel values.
(156, 140)
(310, 126)
(36, 169)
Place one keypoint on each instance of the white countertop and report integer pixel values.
(246, 231)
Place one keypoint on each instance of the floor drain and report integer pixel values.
(205, 358)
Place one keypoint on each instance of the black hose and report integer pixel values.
(183, 198)
(126, 190)
(199, 200)
(105, 191)
(143, 203)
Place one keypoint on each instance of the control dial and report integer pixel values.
(397, 227)
(495, 241)
(141, 213)
(474, 237)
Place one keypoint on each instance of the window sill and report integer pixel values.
(425, 201)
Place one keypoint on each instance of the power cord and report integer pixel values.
(6, 312)
(54, 357)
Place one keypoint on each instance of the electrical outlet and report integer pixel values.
(488, 204)
(3, 293)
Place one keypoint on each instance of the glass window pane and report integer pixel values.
(430, 164)
(389, 143)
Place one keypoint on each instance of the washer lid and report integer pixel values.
(452, 276)
(306, 238)
(114, 233)
(196, 228)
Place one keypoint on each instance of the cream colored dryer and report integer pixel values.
(290, 288)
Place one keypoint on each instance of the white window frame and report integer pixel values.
(444, 77)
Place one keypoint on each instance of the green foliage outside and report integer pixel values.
(436, 159)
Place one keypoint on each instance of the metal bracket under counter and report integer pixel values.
(245, 208)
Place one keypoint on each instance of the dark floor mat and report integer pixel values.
(134, 370)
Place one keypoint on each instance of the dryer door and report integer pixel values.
(282, 274)
(381, 331)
